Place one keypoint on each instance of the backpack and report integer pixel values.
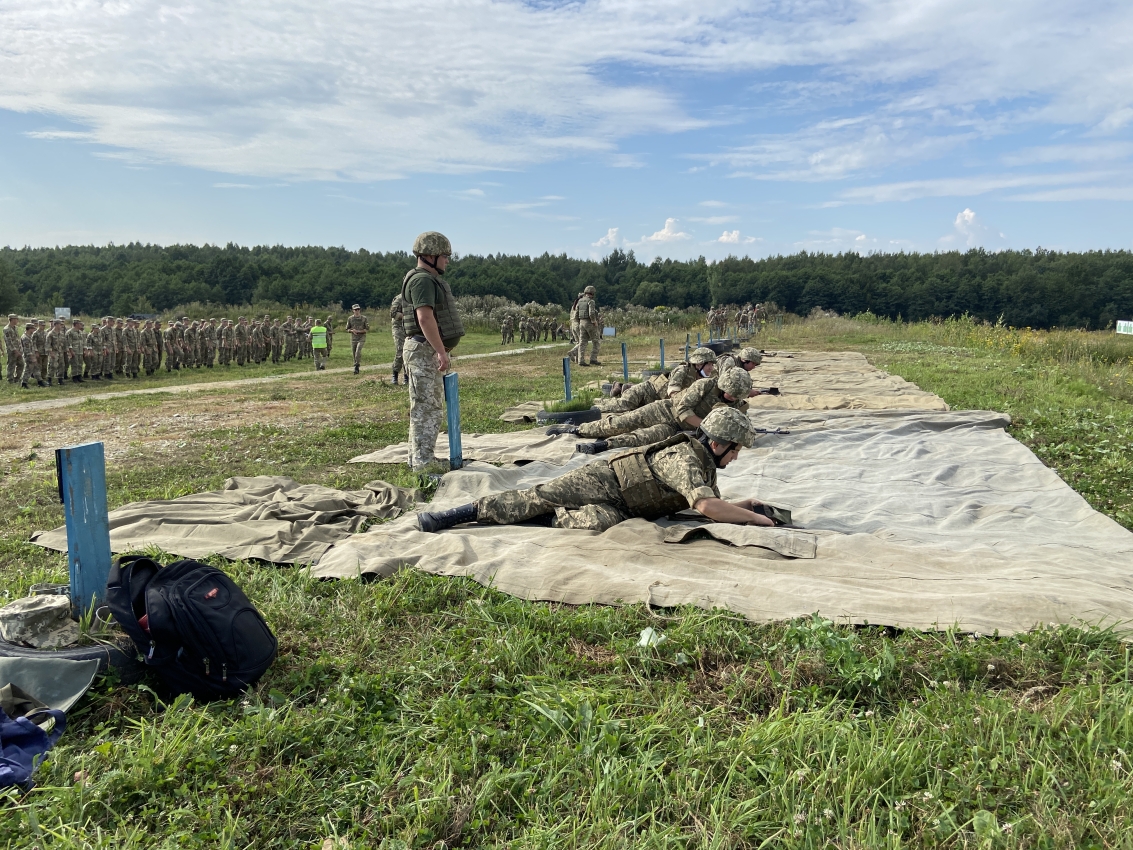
(192, 624)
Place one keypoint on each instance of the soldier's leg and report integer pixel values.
(398, 358)
(12, 374)
(426, 402)
(643, 436)
(595, 341)
(657, 413)
(593, 484)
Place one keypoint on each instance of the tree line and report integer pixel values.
(1026, 288)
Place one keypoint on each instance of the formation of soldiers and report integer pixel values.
(745, 320)
(531, 329)
(127, 347)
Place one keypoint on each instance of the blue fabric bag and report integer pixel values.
(23, 745)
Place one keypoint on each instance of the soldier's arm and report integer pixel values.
(720, 511)
(428, 323)
(686, 403)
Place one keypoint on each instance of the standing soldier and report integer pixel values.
(432, 329)
(40, 336)
(145, 341)
(329, 325)
(119, 346)
(169, 340)
(14, 350)
(276, 341)
(31, 357)
(397, 328)
(76, 345)
(92, 345)
(506, 330)
(575, 332)
(133, 348)
(56, 352)
(210, 343)
(191, 345)
(240, 338)
(257, 340)
(288, 328)
(358, 326)
(589, 327)
(225, 341)
(318, 340)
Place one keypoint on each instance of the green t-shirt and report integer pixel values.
(422, 291)
(318, 337)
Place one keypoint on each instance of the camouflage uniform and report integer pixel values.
(589, 327)
(357, 340)
(31, 357)
(595, 497)
(169, 340)
(119, 347)
(56, 344)
(397, 328)
(210, 343)
(92, 345)
(635, 396)
(683, 376)
(40, 338)
(507, 330)
(240, 341)
(76, 345)
(14, 350)
(257, 342)
(276, 334)
(133, 343)
(330, 335)
(664, 418)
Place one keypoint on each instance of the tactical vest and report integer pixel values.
(642, 492)
(444, 310)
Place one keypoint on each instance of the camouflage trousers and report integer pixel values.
(426, 401)
(587, 498)
(398, 331)
(589, 333)
(356, 343)
(320, 355)
(15, 365)
(56, 366)
(658, 413)
(636, 396)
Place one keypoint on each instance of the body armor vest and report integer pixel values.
(444, 309)
(642, 492)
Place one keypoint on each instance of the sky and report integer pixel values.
(673, 129)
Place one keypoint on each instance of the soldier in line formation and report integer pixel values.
(531, 329)
(127, 347)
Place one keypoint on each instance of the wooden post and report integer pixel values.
(452, 404)
(82, 490)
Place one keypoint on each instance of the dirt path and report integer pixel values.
(53, 403)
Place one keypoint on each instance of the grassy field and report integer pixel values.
(430, 712)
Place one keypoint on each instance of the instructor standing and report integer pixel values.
(358, 326)
(432, 329)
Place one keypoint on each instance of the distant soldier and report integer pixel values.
(276, 341)
(92, 345)
(120, 346)
(31, 357)
(397, 329)
(575, 331)
(14, 349)
(76, 346)
(40, 336)
(357, 326)
(318, 340)
(329, 325)
(191, 345)
(172, 354)
(589, 327)
(146, 345)
(240, 339)
(133, 341)
(256, 337)
(507, 330)
(226, 340)
(210, 343)
(56, 345)
(288, 328)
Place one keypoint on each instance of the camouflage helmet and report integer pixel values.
(432, 244)
(735, 382)
(700, 356)
(752, 355)
(727, 425)
(590, 290)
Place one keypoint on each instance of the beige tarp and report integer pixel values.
(267, 517)
(516, 447)
(920, 519)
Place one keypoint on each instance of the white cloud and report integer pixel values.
(970, 231)
(716, 219)
(953, 186)
(610, 240)
(470, 193)
(668, 233)
(233, 186)
(732, 237)
(713, 204)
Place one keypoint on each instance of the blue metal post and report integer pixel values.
(698, 339)
(566, 377)
(452, 402)
(625, 363)
(82, 489)
(662, 354)
(686, 352)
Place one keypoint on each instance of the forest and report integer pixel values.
(1039, 289)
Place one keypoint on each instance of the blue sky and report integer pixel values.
(672, 129)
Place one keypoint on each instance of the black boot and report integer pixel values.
(441, 520)
(75, 379)
(355, 370)
(24, 384)
(595, 448)
(563, 429)
(395, 379)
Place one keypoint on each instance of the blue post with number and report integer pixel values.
(566, 378)
(662, 355)
(625, 363)
(452, 402)
(82, 489)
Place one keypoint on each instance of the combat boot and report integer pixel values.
(356, 368)
(24, 384)
(595, 448)
(563, 429)
(75, 379)
(395, 379)
(440, 520)
(595, 362)
(43, 383)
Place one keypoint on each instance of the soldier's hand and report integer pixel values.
(442, 360)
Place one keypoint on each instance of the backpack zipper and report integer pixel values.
(206, 665)
(224, 672)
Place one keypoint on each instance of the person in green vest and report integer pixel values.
(318, 337)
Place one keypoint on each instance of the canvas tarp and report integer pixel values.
(266, 517)
(920, 519)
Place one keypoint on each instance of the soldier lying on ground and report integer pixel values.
(663, 419)
(748, 359)
(683, 375)
(649, 482)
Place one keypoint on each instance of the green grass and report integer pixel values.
(581, 401)
(423, 712)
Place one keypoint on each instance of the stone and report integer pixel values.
(43, 622)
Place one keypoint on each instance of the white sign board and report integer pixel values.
(62, 312)
(608, 332)
(1125, 327)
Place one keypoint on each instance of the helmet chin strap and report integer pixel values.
(705, 441)
(433, 266)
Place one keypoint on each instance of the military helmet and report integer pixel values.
(590, 290)
(752, 355)
(700, 356)
(432, 244)
(728, 425)
(735, 382)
